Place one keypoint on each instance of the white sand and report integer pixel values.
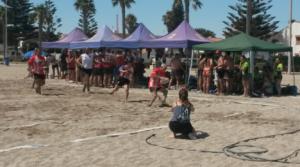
(66, 128)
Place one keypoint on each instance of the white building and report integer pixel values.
(284, 37)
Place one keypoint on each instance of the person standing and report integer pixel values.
(37, 64)
(207, 73)
(177, 71)
(86, 63)
(278, 68)
(98, 71)
(124, 79)
(244, 67)
(221, 72)
(158, 82)
(200, 73)
(71, 63)
(63, 64)
(228, 74)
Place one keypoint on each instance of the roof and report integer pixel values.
(243, 42)
(184, 36)
(100, 39)
(75, 35)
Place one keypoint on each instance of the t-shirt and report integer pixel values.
(154, 82)
(181, 114)
(87, 61)
(37, 64)
(245, 68)
(126, 71)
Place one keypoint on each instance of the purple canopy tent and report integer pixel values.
(184, 36)
(103, 38)
(136, 40)
(73, 36)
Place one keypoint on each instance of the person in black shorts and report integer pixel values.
(221, 73)
(124, 79)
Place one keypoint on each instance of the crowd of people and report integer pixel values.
(219, 74)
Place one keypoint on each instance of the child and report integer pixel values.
(180, 122)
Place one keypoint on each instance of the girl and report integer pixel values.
(180, 121)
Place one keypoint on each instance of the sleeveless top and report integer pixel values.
(181, 114)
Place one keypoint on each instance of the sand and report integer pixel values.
(67, 128)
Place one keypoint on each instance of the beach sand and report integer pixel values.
(67, 128)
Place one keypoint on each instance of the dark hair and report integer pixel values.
(183, 94)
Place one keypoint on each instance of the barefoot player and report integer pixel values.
(36, 64)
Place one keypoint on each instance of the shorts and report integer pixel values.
(97, 71)
(177, 73)
(221, 73)
(123, 81)
(108, 71)
(39, 76)
(153, 89)
(183, 128)
(55, 66)
(87, 71)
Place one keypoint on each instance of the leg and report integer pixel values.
(115, 89)
(154, 97)
(127, 92)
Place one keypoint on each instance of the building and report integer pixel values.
(284, 37)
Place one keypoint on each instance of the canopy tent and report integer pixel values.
(73, 36)
(184, 36)
(29, 54)
(243, 42)
(136, 40)
(103, 38)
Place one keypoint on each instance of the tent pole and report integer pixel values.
(251, 56)
(191, 66)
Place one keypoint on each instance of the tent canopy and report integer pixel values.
(184, 36)
(73, 36)
(243, 42)
(102, 38)
(136, 40)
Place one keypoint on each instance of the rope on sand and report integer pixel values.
(250, 155)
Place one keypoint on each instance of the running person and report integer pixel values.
(156, 83)
(124, 79)
(37, 64)
(180, 121)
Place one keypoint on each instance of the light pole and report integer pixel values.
(290, 37)
(5, 33)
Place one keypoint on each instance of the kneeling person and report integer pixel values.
(180, 121)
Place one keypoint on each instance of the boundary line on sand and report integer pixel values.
(36, 146)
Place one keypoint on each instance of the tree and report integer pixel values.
(123, 4)
(196, 4)
(205, 33)
(87, 20)
(174, 17)
(131, 23)
(51, 22)
(262, 23)
(20, 22)
(39, 16)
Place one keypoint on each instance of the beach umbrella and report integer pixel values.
(28, 54)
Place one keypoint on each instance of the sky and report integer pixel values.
(150, 13)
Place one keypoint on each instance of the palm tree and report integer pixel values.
(197, 4)
(131, 23)
(40, 13)
(123, 4)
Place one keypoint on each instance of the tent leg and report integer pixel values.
(191, 66)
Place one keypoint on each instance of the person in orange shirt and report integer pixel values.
(37, 64)
(158, 82)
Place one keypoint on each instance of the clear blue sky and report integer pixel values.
(150, 12)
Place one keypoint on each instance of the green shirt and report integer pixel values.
(245, 68)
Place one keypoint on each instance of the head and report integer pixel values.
(183, 94)
(242, 58)
(163, 67)
(87, 50)
(277, 61)
(37, 51)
